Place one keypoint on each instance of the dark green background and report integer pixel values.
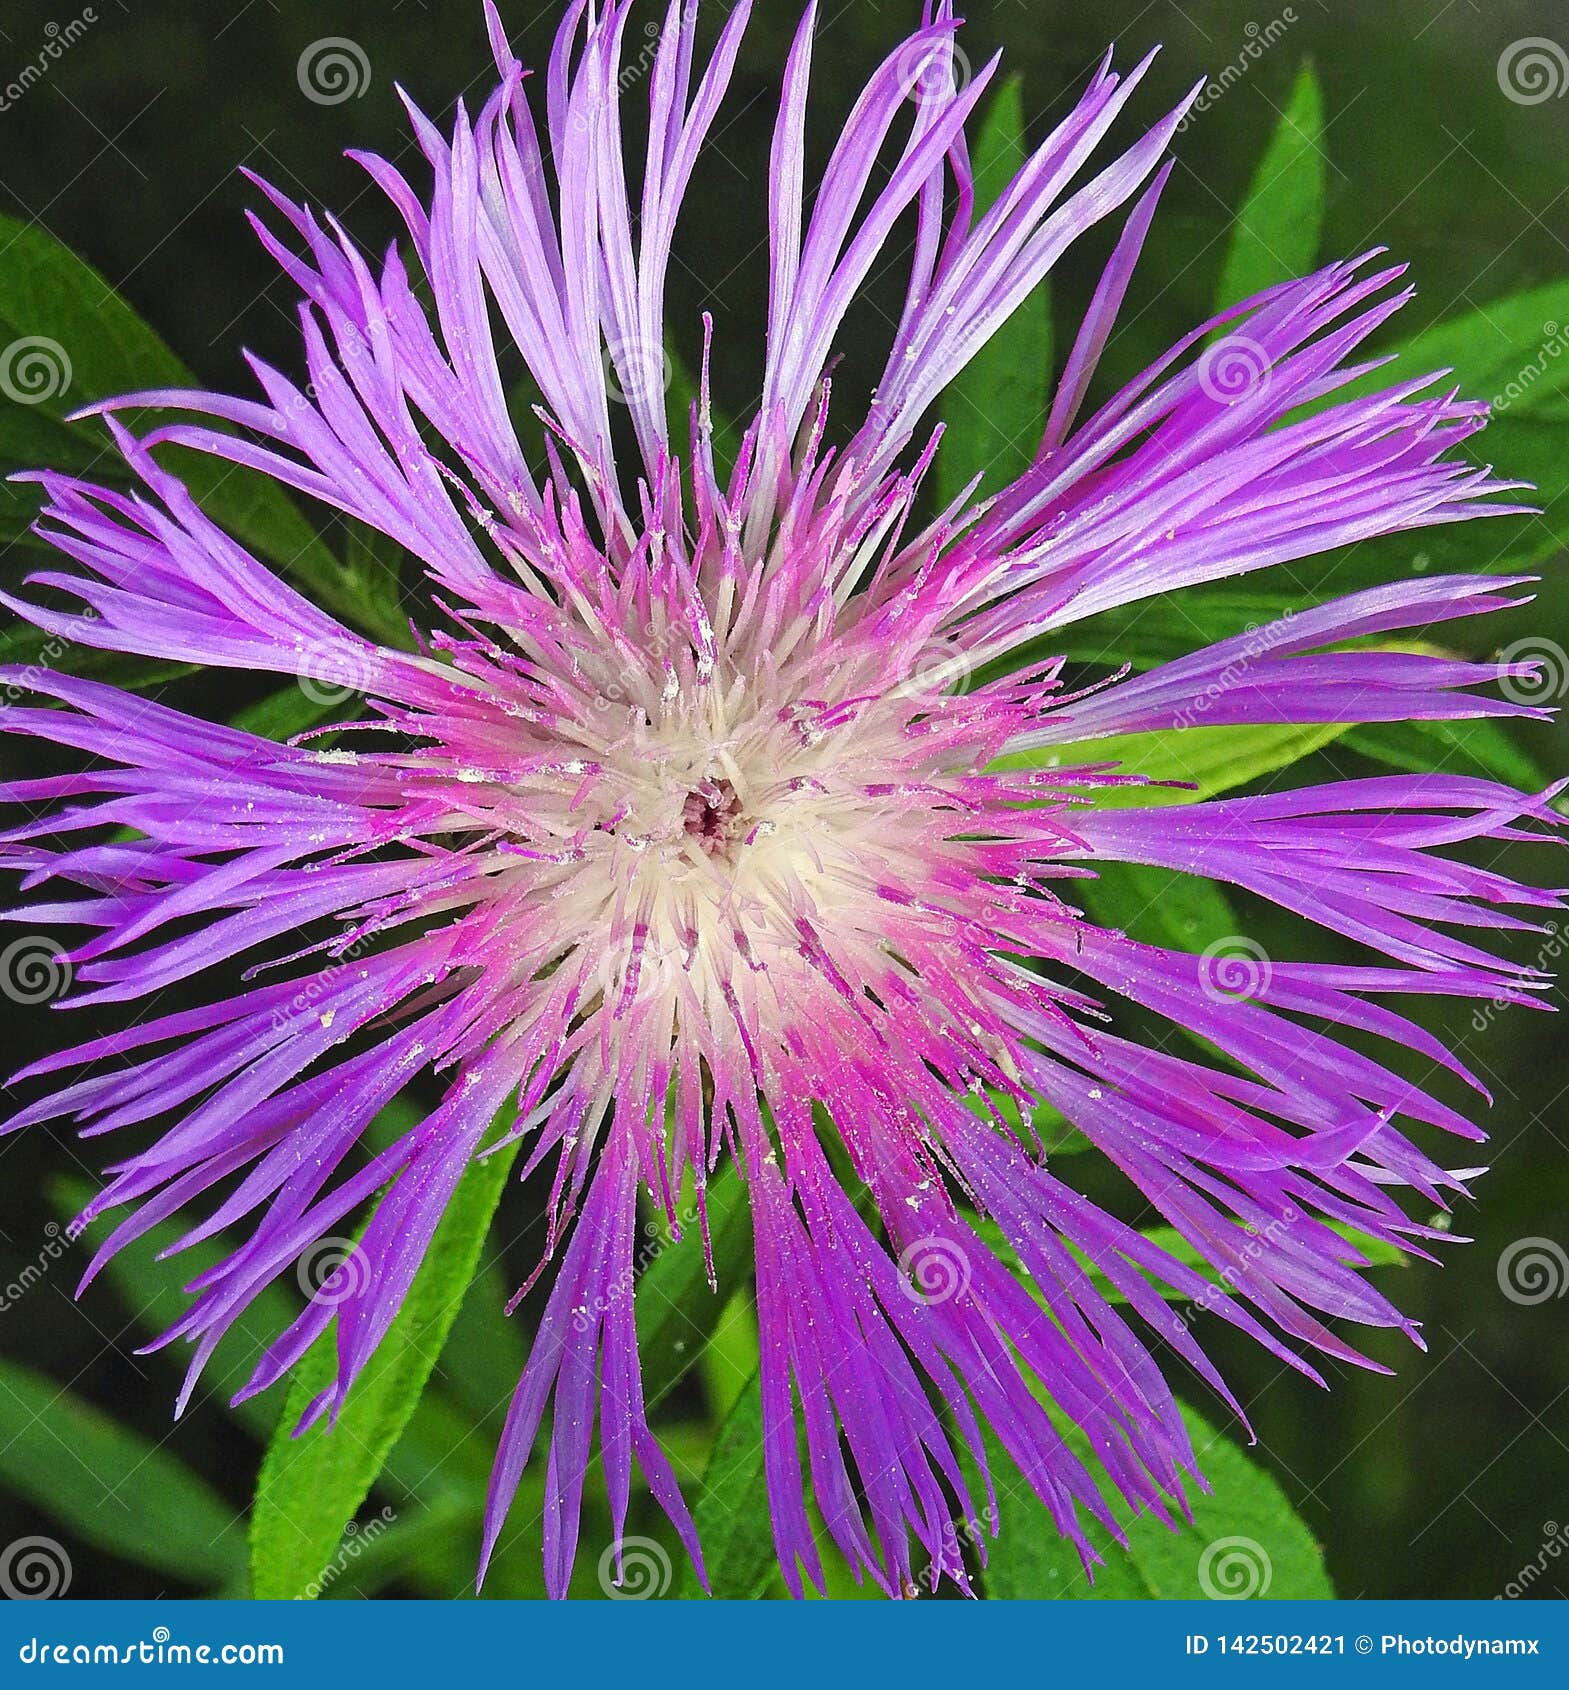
(1441, 1481)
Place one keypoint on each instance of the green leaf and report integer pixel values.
(109, 1486)
(994, 411)
(1156, 906)
(289, 711)
(677, 1310)
(1513, 353)
(484, 1355)
(1244, 1538)
(1482, 747)
(1208, 760)
(731, 1513)
(1166, 625)
(1058, 1136)
(311, 1486)
(1276, 235)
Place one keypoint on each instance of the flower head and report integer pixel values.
(727, 813)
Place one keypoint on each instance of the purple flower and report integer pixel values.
(695, 829)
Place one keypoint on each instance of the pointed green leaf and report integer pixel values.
(1156, 906)
(1482, 747)
(108, 1486)
(311, 1486)
(1208, 760)
(289, 711)
(1276, 235)
(994, 411)
(676, 1308)
(731, 1512)
(1244, 1539)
